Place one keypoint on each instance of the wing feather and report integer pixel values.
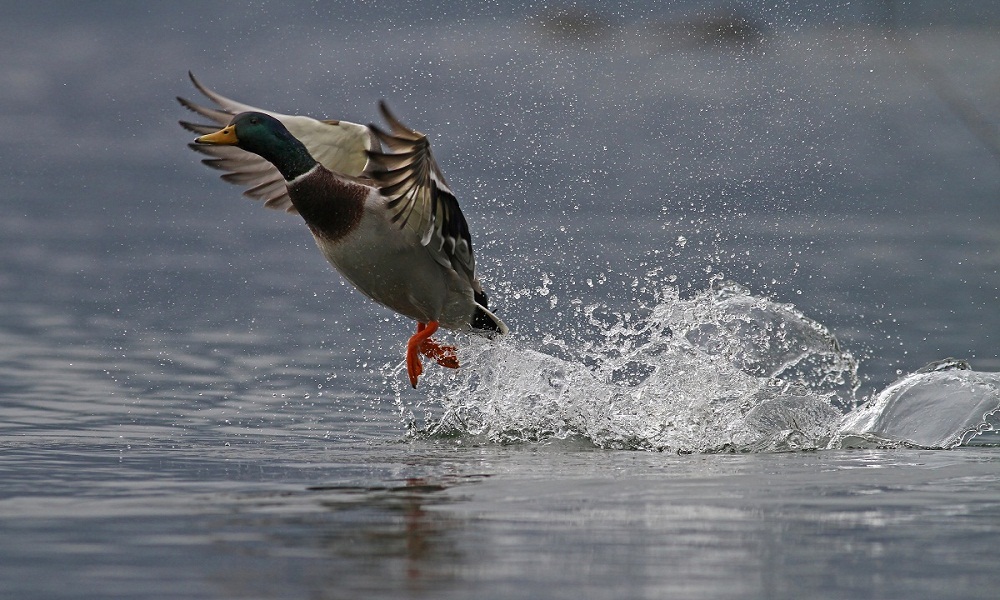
(418, 197)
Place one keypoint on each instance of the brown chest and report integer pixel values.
(331, 207)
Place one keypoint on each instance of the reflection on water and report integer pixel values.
(600, 524)
(346, 539)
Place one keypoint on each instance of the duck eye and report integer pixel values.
(254, 120)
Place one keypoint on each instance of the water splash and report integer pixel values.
(941, 405)
(722, 370)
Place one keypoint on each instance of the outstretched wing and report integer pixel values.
(419, 199)
(340, 146)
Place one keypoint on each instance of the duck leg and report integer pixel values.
(421, 343)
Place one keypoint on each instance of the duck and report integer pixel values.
(377, 205)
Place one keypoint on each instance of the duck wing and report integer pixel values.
(340, 146)
(418, 197)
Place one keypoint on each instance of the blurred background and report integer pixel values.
(843, 157)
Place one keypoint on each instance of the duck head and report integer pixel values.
(267, 137)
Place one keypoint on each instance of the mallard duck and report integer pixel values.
(392, 227)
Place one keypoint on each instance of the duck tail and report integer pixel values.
(488, 324)
(485, 322)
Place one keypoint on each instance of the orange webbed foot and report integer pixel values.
(421, 343)
(446, 356)
(414, 348)
(413, 366)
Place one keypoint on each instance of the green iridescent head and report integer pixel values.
(265, 136)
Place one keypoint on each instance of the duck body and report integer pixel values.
(395, 231)
(360, 240)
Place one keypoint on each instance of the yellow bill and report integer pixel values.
(223, 137)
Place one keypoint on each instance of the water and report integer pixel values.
(724, 266)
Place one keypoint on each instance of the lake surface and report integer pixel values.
(194, 405)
